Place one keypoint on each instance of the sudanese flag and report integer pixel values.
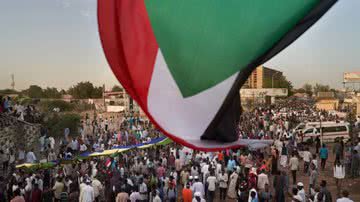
(184, 61)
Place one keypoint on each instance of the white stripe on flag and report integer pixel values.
(186, 118)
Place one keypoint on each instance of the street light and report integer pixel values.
(272, 79)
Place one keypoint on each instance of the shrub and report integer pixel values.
(59, 121)
(50, 105)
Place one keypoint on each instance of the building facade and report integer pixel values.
(263, 77)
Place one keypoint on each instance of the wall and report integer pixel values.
(21, 133)
(327, 105)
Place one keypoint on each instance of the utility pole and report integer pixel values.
(13, 81)
(104, 97)
(321, 130)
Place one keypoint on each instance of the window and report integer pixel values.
(308, 131)
(334, 129)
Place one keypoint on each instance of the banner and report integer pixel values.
(351, 77)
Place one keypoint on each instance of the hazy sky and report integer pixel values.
(56, 43)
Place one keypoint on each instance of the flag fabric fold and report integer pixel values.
(184, 61)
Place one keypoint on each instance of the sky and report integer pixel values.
(55, 43)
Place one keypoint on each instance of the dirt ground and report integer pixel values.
(351, 185)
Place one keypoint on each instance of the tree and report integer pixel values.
(308, 88)
(284, 83)
(58, 122)
(62, 92)
(116, 88)
(300, 90)
(34, 91)
(8, 91)
(321, 88)
(51, 93)
(84, 90)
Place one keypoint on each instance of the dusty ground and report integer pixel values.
(352, 185)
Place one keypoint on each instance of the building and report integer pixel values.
(353, 103)
(252, 97)
(120, 101)
(263, 77)
(327, 101)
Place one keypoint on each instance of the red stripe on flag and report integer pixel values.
(129, 44)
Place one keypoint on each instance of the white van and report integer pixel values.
(329, 132)
(304, 125)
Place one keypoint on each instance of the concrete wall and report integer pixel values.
(21, 133)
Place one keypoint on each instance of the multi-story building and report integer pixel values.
(263, 77)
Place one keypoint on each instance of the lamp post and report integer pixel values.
(272, 79)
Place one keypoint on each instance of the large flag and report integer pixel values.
(184, 61)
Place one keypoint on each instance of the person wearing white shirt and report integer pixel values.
(262, 180)
(223, 179)
(98, 187)
(307, 158)
(30, 157)
(339, 175)
(345, 197)
(135, 196)
(198, 187)
(87, 193)
(198, 197)
(211, 180)
(52, 142)
(301, 191)
(83, 147)
(205, 171)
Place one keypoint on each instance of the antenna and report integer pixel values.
(13, 81)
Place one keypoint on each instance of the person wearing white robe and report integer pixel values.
(232, 185)
(87, 193)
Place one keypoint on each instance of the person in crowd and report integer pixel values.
(323, 156)
(325, 192)
(263, 179)
(231, 193)
(87, 193)
(157, 197)
(98, 188)
(30, 157)
(317, 144)
(211, 181)
(313, 178)
(355, 164)
(58, 188)
(36, 193)
(198, 197)
(339, 175)
(122, 196)
(198, 186)
(301, 191)
(345, 197)
(17, 196)
(294, 166)
(266, 195)
(281, 184)
(187, 193)
(284, 156)
(223, 183)
(253, 196)
(307, 159)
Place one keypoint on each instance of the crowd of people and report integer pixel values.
(176, 173)
(13, 108)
